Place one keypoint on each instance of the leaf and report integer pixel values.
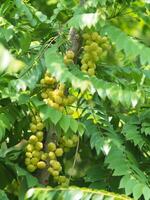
(83, 20)
(3, 195)
(72, 193)
(131, 47)
(65, 123)
(146, 193)
(73, 125)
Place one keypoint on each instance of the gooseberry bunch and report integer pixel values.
(68, 142)
(55, 167)
(56, 95)
(68, 58)
(95, 47)
(34, 155)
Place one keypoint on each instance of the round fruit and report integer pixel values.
(27, 161)
(38, 146)
(54, 173)
(55, 164)
(39, 135)
(31, 168)
(59, 152)
(28, 154)
(33, 139)
(40, 126)
(75, 138)
(41, 165)
(51, 146)
(52, 155)
(36, 154)
(34, 161)
(33, 127)
(29, 147)
(44, 156)
(50, 170)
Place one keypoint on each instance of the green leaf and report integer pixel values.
(3, 195)
(73, 125)
(65, 123)
(146, 193)
(83, 20)
(131, 47)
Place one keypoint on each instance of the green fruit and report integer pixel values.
(39, 146)
(62, 179)
(44, 156)
(41, 165)
(33, 127)
(36, 154)
(34, 161)
(27, 161)
(28, 154)
(69, 143)
(33, 139)
(30, 147)
(52, 155)
(56, 165)
(40, 126)
(39, 135)
(75, 139)
(51, 146)
(59, 152)
(50, 170)
(31, 168)
(55, 173)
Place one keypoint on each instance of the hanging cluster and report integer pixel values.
(95, 46)
(68, 58)
(67, 143)
(55, 94)
(34, 155)
(55, 166)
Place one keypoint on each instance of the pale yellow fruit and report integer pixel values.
(31, 168)
(33, 139)
(36, 154)
(44, 156)
(38, 146)
(84, 67)
(94, 36)
(59, 152)
(86, 36)
(33, 127)
(58, 99)
(34, 161)
(54, 173)
(52, 155)
(50, 170)
(70, 54)
(91, 71)
(51, 146)
(28, 154)
(27, 161)
(55, 164)
(69, 143)
(41, 165)
(30, 147)
(39, 135)
(40, 126)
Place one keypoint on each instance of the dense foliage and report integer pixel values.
(74, 99)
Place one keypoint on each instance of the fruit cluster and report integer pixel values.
(55, 167)
(34, 155)
(68, 58)
(95, 47)
(56, 96)
(67, 143)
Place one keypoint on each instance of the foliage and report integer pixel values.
(74, 74)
